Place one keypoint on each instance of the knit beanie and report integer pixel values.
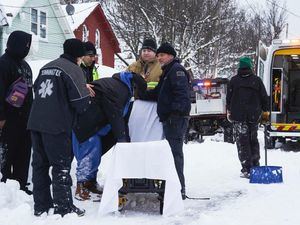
(245, 62)
(89, 48)
(166, 48)
(74, 47)
(149, 44)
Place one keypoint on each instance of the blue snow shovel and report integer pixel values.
(266, 174)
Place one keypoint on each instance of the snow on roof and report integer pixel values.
(11, 8)
(82, 11)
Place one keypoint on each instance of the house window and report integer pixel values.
(34, 21)
(85, 33)
(39, 23)
(43, 24)
(97, 39)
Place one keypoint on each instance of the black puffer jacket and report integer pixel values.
(108, 106)
(12, 67)
(246, 97)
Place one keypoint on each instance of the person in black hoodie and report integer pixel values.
(173, 104)
(246, 99)
(61, 94)
(13, 118)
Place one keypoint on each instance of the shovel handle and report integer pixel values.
(265, 137)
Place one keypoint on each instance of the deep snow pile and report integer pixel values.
(212, 170)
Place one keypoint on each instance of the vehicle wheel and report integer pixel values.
(200, 138)
(229, 134)
(269, 141)
(282, 140)
(161, 206)
(186, 139)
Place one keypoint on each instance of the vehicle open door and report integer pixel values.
(262, 53)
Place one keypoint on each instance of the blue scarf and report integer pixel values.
(126, 78)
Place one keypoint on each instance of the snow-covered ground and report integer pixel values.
(212, 170)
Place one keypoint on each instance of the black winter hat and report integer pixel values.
(166, 48)
(89, 48)
(74, 47)
(149, 44)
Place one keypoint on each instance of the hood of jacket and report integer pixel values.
(18, 44)
(244, 72)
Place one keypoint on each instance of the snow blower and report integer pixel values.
(266, 174)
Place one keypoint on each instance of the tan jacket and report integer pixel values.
(152, 73)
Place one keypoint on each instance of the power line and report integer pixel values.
(38, 6)
(284, 8)
(48, 5)
(250, 6)
(56, 17)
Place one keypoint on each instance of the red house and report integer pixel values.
(89, 23)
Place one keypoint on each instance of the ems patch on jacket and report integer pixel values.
(180, 74)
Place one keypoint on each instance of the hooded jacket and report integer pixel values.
(12, 67)
(246, 97)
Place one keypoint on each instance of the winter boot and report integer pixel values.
(26, 190)
(93, 187)
(71, 209)
(245, 175)
(38, 213)
(82, 193)
(245, 172)
(79, 212)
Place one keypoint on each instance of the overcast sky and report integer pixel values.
(292, 6)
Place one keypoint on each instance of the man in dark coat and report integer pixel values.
(246, 99)
(173, 104)
(13, 119)
(60, 94)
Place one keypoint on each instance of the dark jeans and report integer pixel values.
(56, 151)
(247, 144)
(17, 158)
(174, 129)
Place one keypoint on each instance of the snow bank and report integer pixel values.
(212, 170)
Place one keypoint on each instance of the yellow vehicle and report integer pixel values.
(279, 68)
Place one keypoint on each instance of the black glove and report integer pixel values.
(123, 139)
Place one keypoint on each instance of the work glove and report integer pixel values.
(265, 117)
